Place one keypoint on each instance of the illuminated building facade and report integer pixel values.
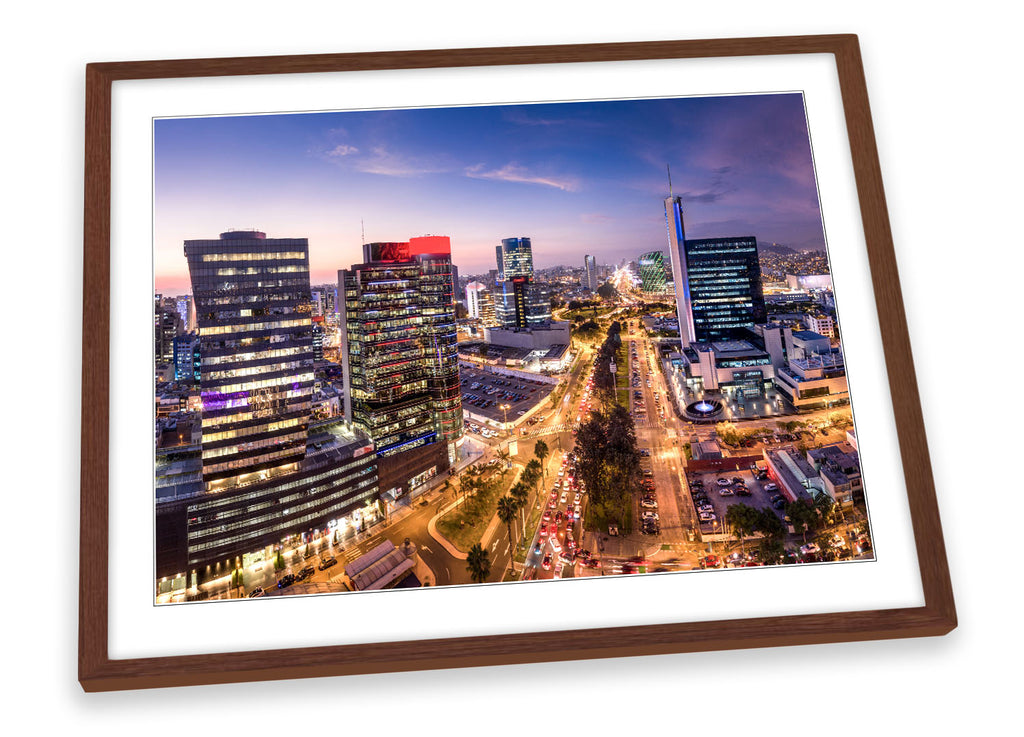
(262, 474)
(590, 273)
(718, 282)
(652, 272)
(521, 302)
(397, 320)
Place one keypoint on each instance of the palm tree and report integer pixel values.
(478, 564)
(541, 450)
(507, 509)
(521, 494)
(533, 468)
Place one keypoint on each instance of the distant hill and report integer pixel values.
(776, 248)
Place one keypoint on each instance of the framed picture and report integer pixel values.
(450, 358)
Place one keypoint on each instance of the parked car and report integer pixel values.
(305, 573)
(285, 581)
(327, 562)
(710, 561)
(256, 592)
(809, 549)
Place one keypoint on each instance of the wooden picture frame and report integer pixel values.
(98, 672)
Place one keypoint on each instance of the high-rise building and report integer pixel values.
(718, 282)
(167, 326)
(590, 273)
(186, 311)
(438, 277)
(480, 303)
(252, 303)
(397, 320)
(652, 272)
(515, 258)
(520, 302)
(187, 359)
(263, 474)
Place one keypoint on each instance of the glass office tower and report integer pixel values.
(652, 272)
(397, 317)
(718, 282)
(252, 302)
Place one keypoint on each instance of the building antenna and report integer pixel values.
(669, 169)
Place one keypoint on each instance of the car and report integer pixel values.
(327, 562)
(555, 545)
(726, 491)
(576, 512)
(809, 549)
(564, 497)
(649, 515)
(710, 561)
(649, 504)
(256, 592)
(722, 482)
(737, 480)
(546, 563)
(735, 559)
(742, 491)
(285, 581)
(553, 503)
(578, 498)
(538, 546)
(770, 487)
(547, 515)
(592, 563)
(305, 573)
(582, 554)
(863, 544)
(779, 503)
(566, 557)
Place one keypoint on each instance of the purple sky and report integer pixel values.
(576, 178)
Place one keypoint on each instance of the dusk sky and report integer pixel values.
(576, 178)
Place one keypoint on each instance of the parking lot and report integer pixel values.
(483, 393)
(714, 493)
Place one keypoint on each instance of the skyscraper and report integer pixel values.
(397, 319)
(263, 475)
(590, 273)
(520, 302)
(718, 281)
(652, 272)
(252, 301)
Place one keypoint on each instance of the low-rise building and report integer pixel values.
(838, 466)
(796, 478)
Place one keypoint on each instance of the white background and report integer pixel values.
(942, 91)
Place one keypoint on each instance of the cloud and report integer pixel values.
(342, 150)
(596, 217)
(512, 172)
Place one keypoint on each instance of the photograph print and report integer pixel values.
(403, 348)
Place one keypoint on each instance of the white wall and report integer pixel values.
(942, 80)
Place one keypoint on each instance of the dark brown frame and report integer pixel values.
(97, 672)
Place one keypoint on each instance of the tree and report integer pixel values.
(769, 525)
(771, 551)
(826, 509)
(607, 291)
(507, 509)
(278, 561)
(503, 457)
(541, 451)
(478, 563)
(460, 311)
(802, 516)
(533, 471)
(520, 493)
(743, 521)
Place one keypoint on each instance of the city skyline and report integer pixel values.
(577, 178)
